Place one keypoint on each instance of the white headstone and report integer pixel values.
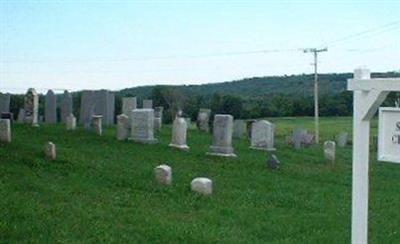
(5, 130)
(70, 122)
(222, 136)
(342, 139)
(128, 104)
(97, 124)
(202, 185)
(179, 130)
(123, 127)
(50, 151)
(158, 112)
(21, 115)
(163, 174)
(142, 127)
(262, 135)
(203, 119)
(330, 150)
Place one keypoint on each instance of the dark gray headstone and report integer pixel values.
(50, 109)
(4, 102)
(66, 106)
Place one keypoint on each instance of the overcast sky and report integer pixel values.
(117, 44)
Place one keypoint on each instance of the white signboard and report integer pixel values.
(389, 135)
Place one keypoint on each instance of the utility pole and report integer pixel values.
(315, 51)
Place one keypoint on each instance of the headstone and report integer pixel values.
(298, 137)
(50, 151)
(330, 150)
(21, 115)
(203, 119)
(123, 126)
(158, 112)
(5, 130)
(50, 109)
(202, 185)
(66, 106)
(70, 122)
(239, 129)
(273, 162)
(142, 127)
(87, 108)
(128, 104)
(163, 174)
(105, 105)
(222, 136)
(97, 123)
(179, 130)
(249, 123)
(342, 139)
(101, 102)
(148, 103)
(31, 106)
(4, 102)
(262, 135)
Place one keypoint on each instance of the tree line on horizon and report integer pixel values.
(276, 96)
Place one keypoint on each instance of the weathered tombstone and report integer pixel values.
(203, 119)
(222, 136)
(101, 102)
(262, 135)
(5, 130)
(273, 162)
(179, 130)
(50, 151)
(97, 123)
(142, 127)
(330, 150)
(31, 107)
(308, 139)
(70, 122)
(123, 126)
(128, 104)
(163, 174)
(21, 115)
(239, 129)
(298, 137)
(87, 108)
(342, 139)
(158, 112)
(50, 109)
(202, 185)
(4, 102)
(66, 106)
(105, 105)
(148, 103)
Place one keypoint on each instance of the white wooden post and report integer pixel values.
(368, 96)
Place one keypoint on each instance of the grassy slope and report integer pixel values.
(102, 190)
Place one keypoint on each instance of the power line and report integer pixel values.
(376, 30)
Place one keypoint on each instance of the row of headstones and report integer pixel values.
(100, 102)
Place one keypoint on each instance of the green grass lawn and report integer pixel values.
(103, 190)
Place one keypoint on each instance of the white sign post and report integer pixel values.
(368, 96)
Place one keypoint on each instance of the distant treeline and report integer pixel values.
(247, 98)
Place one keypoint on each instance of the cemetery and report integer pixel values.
(200, 122)
(135, 178)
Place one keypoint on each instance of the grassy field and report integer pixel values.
(103, 190)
